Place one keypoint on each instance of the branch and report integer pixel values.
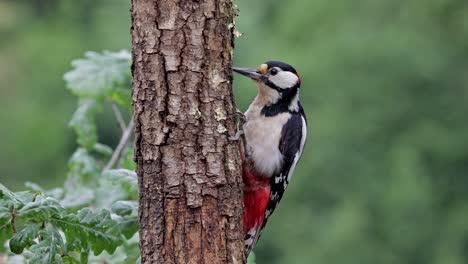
(122, 157)
(118, 116)
(12, 221)
(121, 146)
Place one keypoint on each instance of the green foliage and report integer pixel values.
(73, 224)
(40, 209)
(127, 180)
(99, 75)
(124, 208)
(38, 222)
(97, 230)
(44, 217)
(84, 123)
(50, 247)
(93, 79)
(24, 238)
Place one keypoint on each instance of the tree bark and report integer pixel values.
(189, 173)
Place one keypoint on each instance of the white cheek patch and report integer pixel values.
(284, 79)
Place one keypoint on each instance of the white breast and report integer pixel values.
(263, 135)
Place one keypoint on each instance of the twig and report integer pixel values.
(12, 221)
(122, 157)
(118, 116)
(121, 146)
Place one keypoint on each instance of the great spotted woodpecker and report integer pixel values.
(274, 134)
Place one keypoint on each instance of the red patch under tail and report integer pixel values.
(256, 197)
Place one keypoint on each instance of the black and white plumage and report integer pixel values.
(291, 146)
(275, 132)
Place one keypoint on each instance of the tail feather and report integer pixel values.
(251, 238)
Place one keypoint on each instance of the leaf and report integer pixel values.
(6, 193)
(107, 193)
(84, 256)
(103, 149)
(126, 178)
(122, 96)
(127, 218)
(78, 197)
(48, 250)
(70, 260)
(42, 209)
(128, 225)
(124, 208)
(33, 186)
(24, 238)
(131, 249)
(83, 165)
(6, 209)
(98, 73)
(56, 193)
(97, 230)
(25, 197)
(82, 176)
(5, 234)
(18, 198)
(84, 123)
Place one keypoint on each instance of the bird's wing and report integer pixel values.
(292, 143)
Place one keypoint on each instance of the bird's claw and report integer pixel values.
(239, 115)
(237, 136)
(240, 122)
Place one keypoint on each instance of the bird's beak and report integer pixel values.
(253, 74)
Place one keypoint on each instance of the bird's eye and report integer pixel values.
(273, 71)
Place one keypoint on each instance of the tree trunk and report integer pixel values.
(189, 173)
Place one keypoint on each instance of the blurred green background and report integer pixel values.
(385, 86)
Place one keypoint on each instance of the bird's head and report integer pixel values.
(276, 81)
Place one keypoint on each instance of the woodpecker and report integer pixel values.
(273, 138)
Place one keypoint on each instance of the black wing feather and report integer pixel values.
(290, 145)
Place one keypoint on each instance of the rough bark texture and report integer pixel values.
(189, 173)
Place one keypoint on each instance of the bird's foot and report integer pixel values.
(239, 123)
(237, 136)
(239, 115)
